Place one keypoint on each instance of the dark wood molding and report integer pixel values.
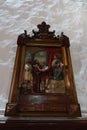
(43, 123)
(43, 34)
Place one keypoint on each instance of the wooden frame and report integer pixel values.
(43, 82)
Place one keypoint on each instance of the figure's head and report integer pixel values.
(57, 56)
(36, 61)
(28, 60)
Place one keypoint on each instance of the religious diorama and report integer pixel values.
(43, 81)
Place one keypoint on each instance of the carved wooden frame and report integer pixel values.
(65, 104)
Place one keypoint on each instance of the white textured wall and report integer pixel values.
(68, 16)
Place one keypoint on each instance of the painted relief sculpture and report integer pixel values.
(43, 82)
(42, 72)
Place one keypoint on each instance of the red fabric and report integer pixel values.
(51, 52)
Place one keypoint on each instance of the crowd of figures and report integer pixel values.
(38, 77)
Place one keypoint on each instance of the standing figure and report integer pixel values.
(36, 73)
(28, 76)
(57, 66)
(41, 71)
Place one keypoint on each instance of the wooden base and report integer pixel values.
(43, 105)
